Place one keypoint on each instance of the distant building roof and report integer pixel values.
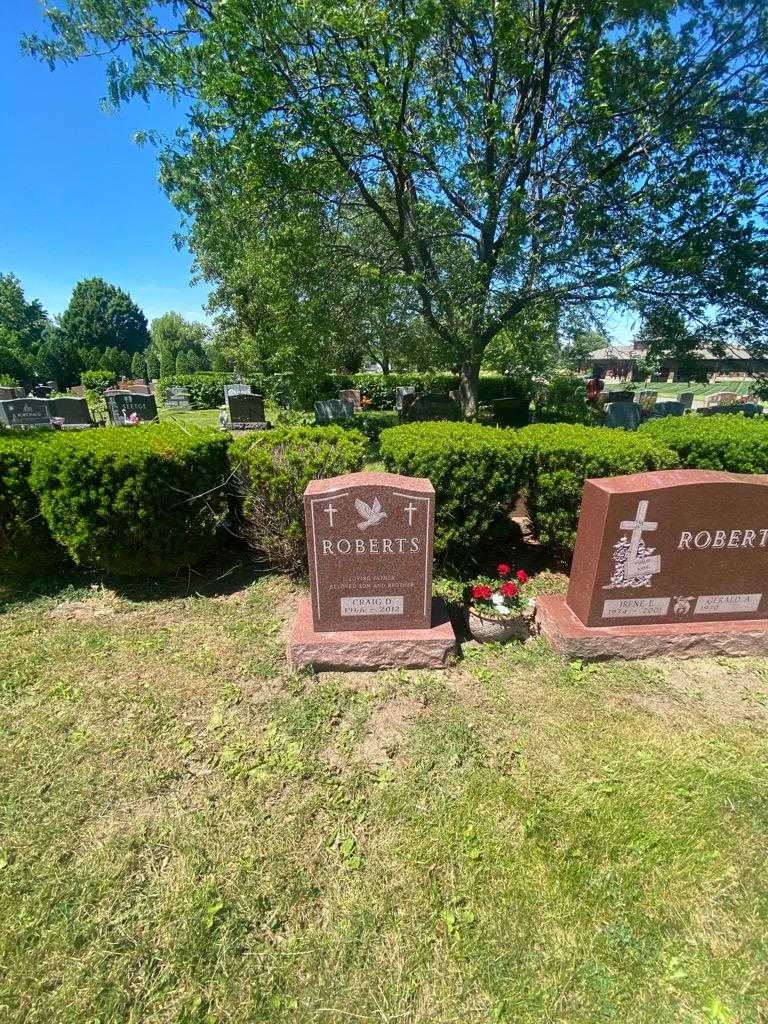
(619, 353)
(613, 352)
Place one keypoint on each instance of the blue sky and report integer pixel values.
(78, 197)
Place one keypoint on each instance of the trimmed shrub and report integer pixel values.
(476, 472)
(561, 456)
(732, 443)
(371, 424)
(206, 390)
(565, 401)
(135, 500)
(25, 540)
(272, 470)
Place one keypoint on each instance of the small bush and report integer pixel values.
(565, 401)
(206, 390)
(732, 443)
(272, 470)
(476, 472)
(134, 500)
(560, 457)
(371, 424)
(26, 544)
(97, 380)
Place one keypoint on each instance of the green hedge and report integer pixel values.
(272, 470)
(371, 424)
(561, 456)
(476, 472)
(26, 545)
(732, 443)
(134, 501)
(206, 390)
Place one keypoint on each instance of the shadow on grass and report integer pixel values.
(225, 572)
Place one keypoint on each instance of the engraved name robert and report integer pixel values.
(722, 539)
(372, 546)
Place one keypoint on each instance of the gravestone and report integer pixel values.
(670, 408)
(353, 396)
(25, 413)
(620, 396)
(236, 389)
(333, 410)
(369, 545)
(42, 390)
(674, 561)
(686, 398)
(512, 412)
(646, 400)
(622, 415)
(78, 392)
(177, 398)
(121, 405)
(721, 398)
(246, 412)
(747, 409)
(73, 411)
(9, 394)
(400, 393)
(431, 407)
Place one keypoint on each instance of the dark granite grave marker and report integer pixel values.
(670, 408)
(236, 389)
(177, 398)
(369, 544)
(74, 411)
(432, 407)
(246, 412)
(400, 394)
(25, 413)
(686, 550)
(622, 415)
(124, 404)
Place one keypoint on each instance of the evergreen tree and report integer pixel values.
(138, 366)
(152, 363)
(102, 316)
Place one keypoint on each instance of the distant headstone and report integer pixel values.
(622, 415)
(721, 398)
(646, 400)
(177, 398)
(42, 391)
(619, 396)
(747, 409)
(236, 389)
(138, 387)
(333, 410)
(73, 411)
(78, 392)
(354, 396)
(122, 405)
(9, 394)
(400, 393)
(670, 408)
(681, 549)
(432, 407)
(512, 412)
(25, 413)
(246, 412)
(686, 398)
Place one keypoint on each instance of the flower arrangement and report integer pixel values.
(501, 596)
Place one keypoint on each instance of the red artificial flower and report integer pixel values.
(508, 589)
(481, 592)
(522, 575)
(503, 569)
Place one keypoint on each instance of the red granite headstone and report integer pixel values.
(672, 546)
(369, 541)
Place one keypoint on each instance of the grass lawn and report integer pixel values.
(196, 417)
(192, 832)
(668, 391)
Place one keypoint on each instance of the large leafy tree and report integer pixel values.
(512, 154)
(172, 336)
(102, 316)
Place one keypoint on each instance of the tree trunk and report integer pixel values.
(469, 384)
(385, 365)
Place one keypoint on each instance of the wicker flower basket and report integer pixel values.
(498, 628)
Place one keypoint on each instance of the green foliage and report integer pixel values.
(97, 380)
(372, 423)
(732, 443)
(26, 544)
(425, 130)
(476, 472)
(206, 390)
(560, 457)
(134, 501)
(178, 346)
(272, 471)
(101, 315)
(565, 401)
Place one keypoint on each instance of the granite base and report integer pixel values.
(372, 649)
(570, 637)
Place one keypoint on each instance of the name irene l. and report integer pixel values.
(722, 539)
(373, 546)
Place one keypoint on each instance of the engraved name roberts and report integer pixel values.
(703, 539)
